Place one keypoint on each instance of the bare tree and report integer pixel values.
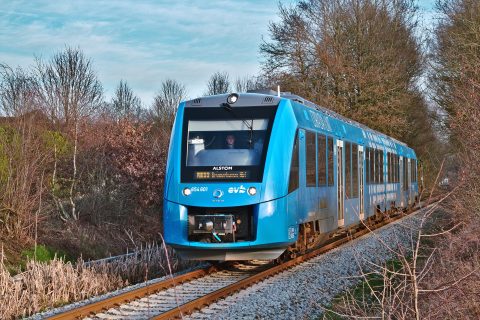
(125, 103)
(69, 86)
(166, 101)
(244, 84)
(357, 57)
(218, 83)
(70, 90)
(17, 91)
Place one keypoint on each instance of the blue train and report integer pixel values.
(254, 175)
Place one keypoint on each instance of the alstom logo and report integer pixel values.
(240, 189)
(222, 168)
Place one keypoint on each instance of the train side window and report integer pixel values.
(393, 167)
(293, 182)
(372, 165)
(414, 170)
(367, 165)
(322, 160)
(414, 166)
(311, 159)
(375, 166)
(397, 169)
(379, 167)
(331, 177)
(406, 175)
(348, 170)
(389, 164)
(382, 175)
(411, 170)
(354, 171)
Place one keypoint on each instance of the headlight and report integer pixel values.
(231, 99)
(252, 191)
(187, 192)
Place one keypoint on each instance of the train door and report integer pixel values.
(361, 174)
(401, 176)
(340, 184)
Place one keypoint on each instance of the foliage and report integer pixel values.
(137, 160)
(57, 142)
(42, 253)
(360, 58)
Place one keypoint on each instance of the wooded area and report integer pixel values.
(84, 175)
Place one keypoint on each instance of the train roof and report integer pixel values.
(270, 97)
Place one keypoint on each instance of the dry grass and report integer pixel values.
(49, 284)
(436, 276)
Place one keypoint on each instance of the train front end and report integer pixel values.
(225, 182)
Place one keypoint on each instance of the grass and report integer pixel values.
(43, 253)
(362, 294)
(50, 281)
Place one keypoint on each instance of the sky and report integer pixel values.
(145, 42)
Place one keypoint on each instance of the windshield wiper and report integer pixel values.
(229, 108)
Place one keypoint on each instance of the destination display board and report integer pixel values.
(221, 175)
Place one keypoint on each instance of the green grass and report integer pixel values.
(42, 254)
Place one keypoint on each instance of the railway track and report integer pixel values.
(184, 294)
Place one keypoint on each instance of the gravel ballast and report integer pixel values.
(301, 292)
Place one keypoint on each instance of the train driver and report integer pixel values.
(230, 141)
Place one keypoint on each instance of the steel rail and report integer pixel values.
(140, 292)
(209, 298)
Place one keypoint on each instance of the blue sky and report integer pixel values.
(144, 42)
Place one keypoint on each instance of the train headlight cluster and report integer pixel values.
(252, 191)
(186, 191)
(232, 98)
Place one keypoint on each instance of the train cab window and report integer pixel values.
(311, 159)
(331, 177)
(348, 170)
(294, 168)
(354, 171)
(322, 159)
(234, 142)
(220, 144)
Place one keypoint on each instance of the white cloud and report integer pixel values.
(143, 42)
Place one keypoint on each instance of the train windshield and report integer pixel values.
(226, 143)
(231, 147)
